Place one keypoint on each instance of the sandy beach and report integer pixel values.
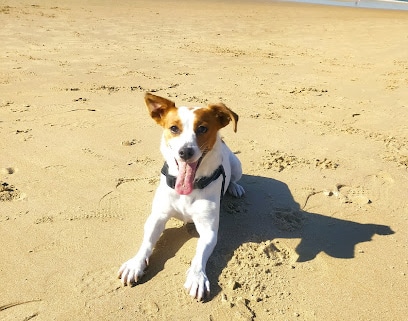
(321, 92)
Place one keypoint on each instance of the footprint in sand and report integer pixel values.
(288, 219)
(357, 195)
(98, 283)
(381, 178)
(238, 311)
(250, 270)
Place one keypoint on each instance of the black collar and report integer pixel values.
(199, 183)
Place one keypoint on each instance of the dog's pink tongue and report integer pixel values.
(185, 178)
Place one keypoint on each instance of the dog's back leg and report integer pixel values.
(236, 172)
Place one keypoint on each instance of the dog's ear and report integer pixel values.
(224, 115)
(158, 106)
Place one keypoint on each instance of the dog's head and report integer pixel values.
(190, 133)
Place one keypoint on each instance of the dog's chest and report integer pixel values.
(199, 204)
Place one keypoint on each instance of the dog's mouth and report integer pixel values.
(186, 176)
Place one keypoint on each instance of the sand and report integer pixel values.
(322, 97)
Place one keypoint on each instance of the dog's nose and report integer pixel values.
(186, 153)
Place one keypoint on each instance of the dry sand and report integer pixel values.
(323, 104)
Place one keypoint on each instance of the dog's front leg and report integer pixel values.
(132, 270)
(197, 283)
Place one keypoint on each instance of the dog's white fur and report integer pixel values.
(200, 206)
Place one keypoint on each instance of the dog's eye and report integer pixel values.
(174, 129)
(201, 130)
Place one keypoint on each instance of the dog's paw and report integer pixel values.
(236, 190)
(197, 284)
(131, 271)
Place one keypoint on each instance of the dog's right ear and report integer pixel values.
(158, 106)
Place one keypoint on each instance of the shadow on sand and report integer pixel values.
(268, 211)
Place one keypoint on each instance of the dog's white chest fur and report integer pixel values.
(200, 168)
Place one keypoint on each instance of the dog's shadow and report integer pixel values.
(267, 212)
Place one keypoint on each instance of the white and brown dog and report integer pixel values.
(198, 166)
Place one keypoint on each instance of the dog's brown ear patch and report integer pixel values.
(158, 107)
(224, 115)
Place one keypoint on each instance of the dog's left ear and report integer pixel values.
(224, 115)
(158, 106)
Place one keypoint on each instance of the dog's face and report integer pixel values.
(189, 133)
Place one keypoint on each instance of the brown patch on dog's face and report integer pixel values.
(164, 112)
(172, 125)
(208, 121)
(206, 128)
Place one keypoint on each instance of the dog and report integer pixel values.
(199, 168)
